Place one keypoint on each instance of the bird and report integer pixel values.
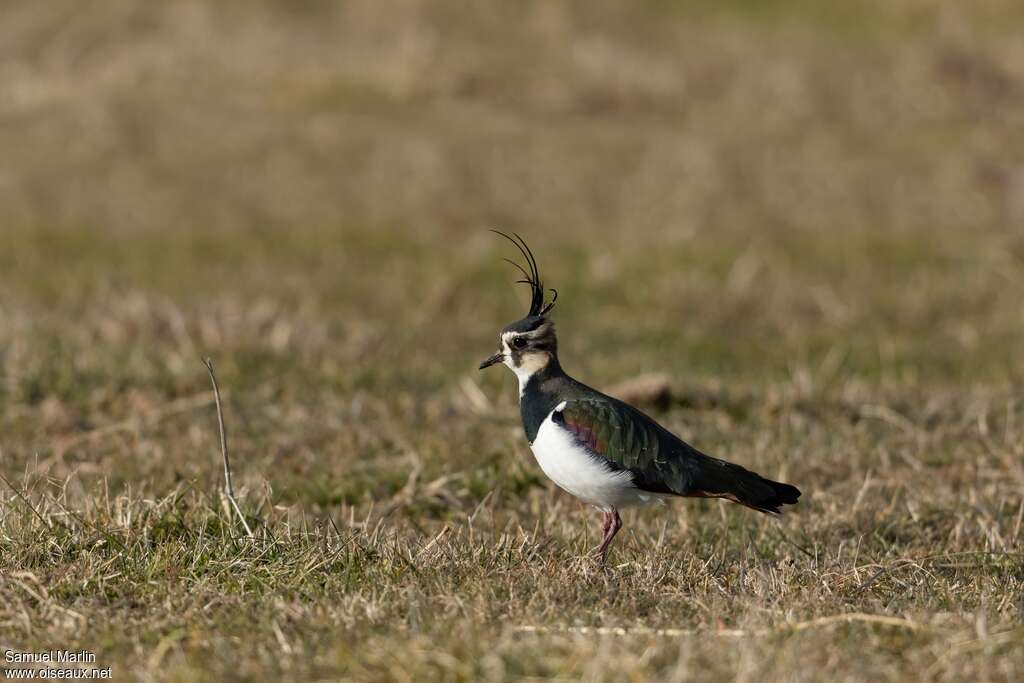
(599, 449)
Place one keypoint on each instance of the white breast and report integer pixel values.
(568, 464)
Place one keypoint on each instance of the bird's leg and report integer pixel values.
(612, 524)
(606, 524)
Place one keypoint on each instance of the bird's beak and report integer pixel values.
(496, 358)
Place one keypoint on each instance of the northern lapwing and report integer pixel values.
(601, 450)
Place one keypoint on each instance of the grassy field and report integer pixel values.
(807, 217)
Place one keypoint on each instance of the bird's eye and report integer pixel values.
(519, 342)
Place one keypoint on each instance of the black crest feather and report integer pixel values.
(531, 276)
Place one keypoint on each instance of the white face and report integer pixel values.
(526, 349)
(506, 348)
(520, 358)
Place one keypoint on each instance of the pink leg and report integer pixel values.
(606, 524)
(612, 524)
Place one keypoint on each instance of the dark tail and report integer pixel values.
(720, 479)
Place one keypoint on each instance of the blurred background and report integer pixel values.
(806, 216)
(738, 194)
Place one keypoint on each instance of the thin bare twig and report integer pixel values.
(223, 431)
(229, 488)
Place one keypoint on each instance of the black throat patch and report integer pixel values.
(540, 396)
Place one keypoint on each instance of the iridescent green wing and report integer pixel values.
(629, 440)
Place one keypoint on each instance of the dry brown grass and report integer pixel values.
(807, 219)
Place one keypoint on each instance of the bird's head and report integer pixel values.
(527, 345)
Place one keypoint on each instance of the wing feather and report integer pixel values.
(629, 440)
(660, 461)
